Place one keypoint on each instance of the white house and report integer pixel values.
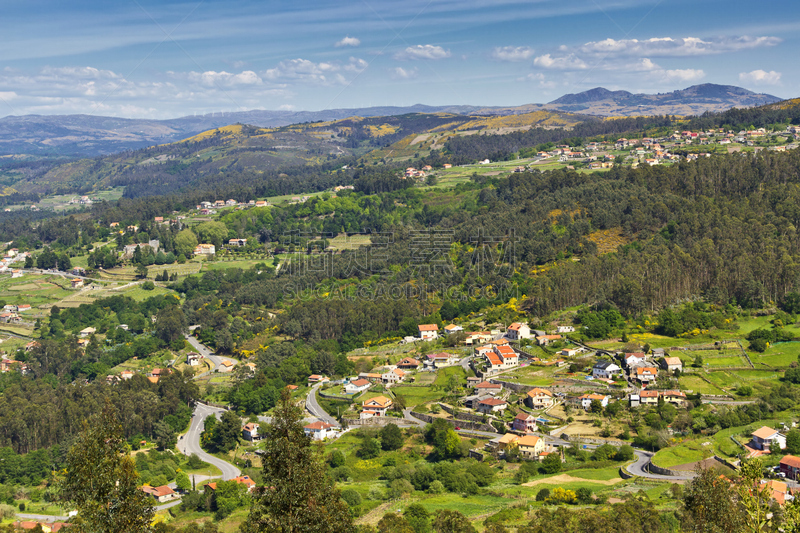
(565, 329)
(359, 385)
(250, 431)
(646, 374)
(161, 494)
(193, 359)
(765, 436)
(452, 328)
(539, 398)
(517, 331)
(585, 401)
(634, 358)
(492, 405)
(428, 331)
(605, 370)
(319, 430)
(393, 376)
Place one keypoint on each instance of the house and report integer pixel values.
(87, 332)
(261, 203)
(205, 249)
(648, 397)
(565, 329)
(250, 431)
(539, 398)
(409, 363)
(544, 340)
(319, 430)
(16, 273)
(158, 220)
(477, 337)
(646, 374)
(524, 422)
(77, 283)
(192, 358)
(452, 328)
(225, 366)
(530, 446)
(506, 442)
(671, 364)
(440, 359)
(428, 331)
(393, 376)
(605, 370)
(376, 407)
(31, 345)
(507, 355)
(9, 318)
(359, 385)
(634, 358)
(126, 374)
(674, 397)
(790, 466)
(161, 494)
(488, 388)
(372, 377)
(491, 405)
(765, 436)
(237, 242)
(316, 378)
(246, 481)
(585, 401)
(569, 352)
(518, 330)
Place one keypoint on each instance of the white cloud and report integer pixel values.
(568, 62)
(348, 41)
(540, 78)
(226, 79)
(512, 53)
(286, 107)
(323, 73)
(400, 73)
(761, 77)
(423, 51)
(356, 65)
(676, 47)
(687, 74)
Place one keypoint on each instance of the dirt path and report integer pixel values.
(566, 478)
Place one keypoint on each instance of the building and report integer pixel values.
(518, 330)
(488, 388)
(205, 249)
(565, 329)
(359, 385)
(675, 397)
(790, 466)
(671, 364)
(539, 398)
(86, 332)
(530, 446)
(250, 431)
(225, 366)
(605, 370)
(646, 374)
(77, 283)
(192, 358)
(492, 405)
(161, 494)
(246, 481)
(585, 401)
(506, 442)
(319, 430)
(440, 359)
(409, 363)
(524, 422)
(452, 328)
(645, 397)
(316, 378)
(544, 340)
(393, 376)
(764, 437)
(376, 407)
(428, 331)
(634, 358)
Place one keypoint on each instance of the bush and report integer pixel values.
(542, 495)
(436, 487)
(341, 473)
(336, 459)
(584, 495)
(352, 497)
(148, 285)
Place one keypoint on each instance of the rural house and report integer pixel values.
(539, 398)
(524, 422)
(765, 436)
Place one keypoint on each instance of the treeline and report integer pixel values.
(38, 412)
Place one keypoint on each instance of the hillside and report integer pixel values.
(92, 136)
(693, 100)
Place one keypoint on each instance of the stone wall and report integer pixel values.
(463, 424)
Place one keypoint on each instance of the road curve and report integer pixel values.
(190, 442)
(206, 352)
(313, 407)
(640, 468)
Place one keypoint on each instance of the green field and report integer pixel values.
(689, 452)
(694, 383)
(417, 395)
(33, 289)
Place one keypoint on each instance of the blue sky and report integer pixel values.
(164, 59)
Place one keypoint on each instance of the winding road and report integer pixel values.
(203, 350)
(313, 407)
(190, 442)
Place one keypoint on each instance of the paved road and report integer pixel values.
(42, 517)
(206, 352)
(313, 407)
(190, 442)
(465, 363)
(639, 468)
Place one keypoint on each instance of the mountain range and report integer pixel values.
(88, 135)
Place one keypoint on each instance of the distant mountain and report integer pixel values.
(73, 136)
(693, 100)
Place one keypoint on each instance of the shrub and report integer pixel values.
(542, 495)
(352, 497)
(148, 285)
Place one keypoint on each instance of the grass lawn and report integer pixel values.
(443, 375)
(417, 395)
(695, 384)
(244, 264)
(688, 452)
(781, 354)
(139, 294)
(600, 474)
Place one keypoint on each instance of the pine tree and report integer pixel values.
(297, 496)
(101, 480)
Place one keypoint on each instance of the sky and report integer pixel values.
(165, 59)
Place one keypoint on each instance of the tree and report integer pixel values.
(793, 441)
(336, 459)
(211, 232)
(141, 271)
(449, 521)
(297, 497)
(226, 433)
(165, 435)
(710, 505)
(101, 481)
(369, 449)
(418, 518)
(182, 481)
(551, 464)
(391, 437)
(185, 242)
(170, 323)
(394, 523)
